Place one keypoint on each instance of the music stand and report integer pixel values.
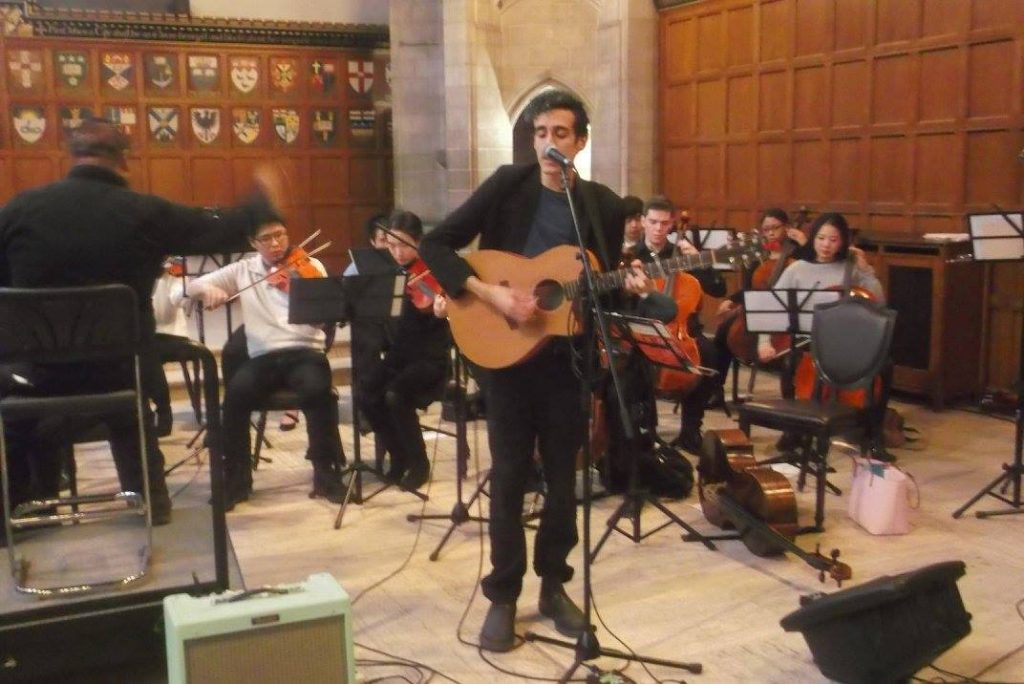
(714, 238)
(652, 340)
(789, 311)
(358, 298)
(1000, 237)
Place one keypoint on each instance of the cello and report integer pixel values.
(686, 292)
(755, 500)
(742, 343)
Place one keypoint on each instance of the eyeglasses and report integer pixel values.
(276, 236)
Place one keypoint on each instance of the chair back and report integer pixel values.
(68, 324)
(850, 341)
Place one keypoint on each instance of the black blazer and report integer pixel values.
(501, 211)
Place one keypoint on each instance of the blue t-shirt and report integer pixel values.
(552, 224)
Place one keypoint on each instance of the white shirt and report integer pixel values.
(264, 307)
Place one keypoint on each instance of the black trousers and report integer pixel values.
(532, 405)
(35, 446)
(693, 403)
(389, 397)
(306, 372)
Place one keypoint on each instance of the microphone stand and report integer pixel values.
(586, 646)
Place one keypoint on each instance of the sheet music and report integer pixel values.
(993, 239)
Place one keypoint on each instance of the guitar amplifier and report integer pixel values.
(287, 633)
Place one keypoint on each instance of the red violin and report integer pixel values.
(422, 287)
(297, 263)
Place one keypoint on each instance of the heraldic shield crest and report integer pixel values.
(325, 125)
(284, 71)
(360, 75)
(72, 69)
(322, 75)
(26, 69)
(122, 116)
(245, 74)
(161, 70)
(29, 123)
(163, 123)
(205, 124)
(203, 72)
(118, 72)
(246, 125)
(73, 117)
(286, 124)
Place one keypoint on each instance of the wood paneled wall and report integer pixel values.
(903, 114)
(338, 161)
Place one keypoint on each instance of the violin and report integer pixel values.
(296, 263)
(175, 267)
(422, 287)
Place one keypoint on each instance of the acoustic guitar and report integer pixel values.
(487, 338)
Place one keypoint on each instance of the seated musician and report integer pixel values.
(836, 264)
(658, 220)
(414, 366)
(634, 228)
(784, 242)
(280, 355)
(168, 299)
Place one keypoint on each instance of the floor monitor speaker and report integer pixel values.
(887, 629)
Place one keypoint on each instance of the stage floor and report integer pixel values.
(662, 597)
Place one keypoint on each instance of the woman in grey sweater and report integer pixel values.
(834, 257)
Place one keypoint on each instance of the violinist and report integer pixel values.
(168, 301)
(281, 354)
(836, 264)
(414, 364)
(658, 220)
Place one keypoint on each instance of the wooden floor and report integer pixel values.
(660, 597)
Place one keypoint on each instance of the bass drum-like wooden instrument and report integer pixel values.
(687, 293)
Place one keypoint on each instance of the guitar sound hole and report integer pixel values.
(549, 295)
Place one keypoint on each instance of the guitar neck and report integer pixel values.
(659, 268)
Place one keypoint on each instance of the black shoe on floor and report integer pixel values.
(327, 483)
(689, 440)
(416, 476)
(498, 633)
(555, 604)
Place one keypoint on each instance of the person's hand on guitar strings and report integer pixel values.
(514, 304)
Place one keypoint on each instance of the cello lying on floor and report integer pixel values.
(758, 502)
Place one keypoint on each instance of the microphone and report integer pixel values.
(552, 153)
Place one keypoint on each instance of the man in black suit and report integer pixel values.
(535, 403)
(87, 229)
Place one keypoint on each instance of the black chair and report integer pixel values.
(850, 342)
(80, 328)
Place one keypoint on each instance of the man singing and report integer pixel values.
(524, 209)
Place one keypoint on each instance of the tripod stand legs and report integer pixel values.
(1012, 472)
(631, 508)
(459, 515)
(587, 648)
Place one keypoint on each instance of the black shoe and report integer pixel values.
(416, 476)
(499, 631)
(555, 604)
(689, 440)
(327, 483)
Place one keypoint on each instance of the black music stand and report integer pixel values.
(1000, 237)
(460, 510)
(789, 311)
(654, 343)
